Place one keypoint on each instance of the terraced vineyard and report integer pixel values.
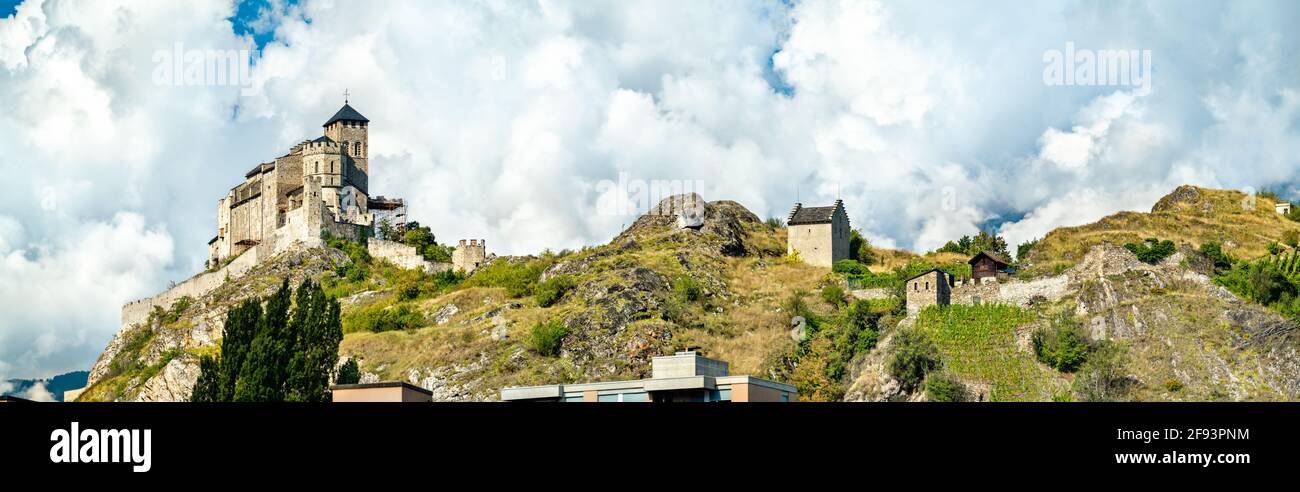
(978, 343)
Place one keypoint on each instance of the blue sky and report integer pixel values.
(509, 121)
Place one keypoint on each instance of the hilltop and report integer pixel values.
(725, 287)
(1244, 225)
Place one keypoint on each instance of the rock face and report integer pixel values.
(174, 383)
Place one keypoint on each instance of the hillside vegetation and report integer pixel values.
(1244, 225)
(1178, 327)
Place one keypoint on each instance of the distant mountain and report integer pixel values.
(56, 385)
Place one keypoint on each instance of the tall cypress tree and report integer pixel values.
(240, 328)
(262, 375)
(275, 354)
(317, 331)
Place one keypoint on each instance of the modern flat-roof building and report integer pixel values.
(387, 391)
(684, 376)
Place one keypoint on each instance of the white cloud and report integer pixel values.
(38, 392)
(497, 119)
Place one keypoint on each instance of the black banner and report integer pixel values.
(1189, 440)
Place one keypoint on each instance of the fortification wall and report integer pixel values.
(1015, 292)
(138, 311)
(403, 256)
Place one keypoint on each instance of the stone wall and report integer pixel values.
(403, 256)
(812, 242)
(1019, 293)
(137, 312)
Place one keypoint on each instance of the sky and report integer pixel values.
(535, 125)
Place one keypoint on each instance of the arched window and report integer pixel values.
(317, 168)
(356, 150)
(345, 146)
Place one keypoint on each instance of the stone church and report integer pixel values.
(319, 185)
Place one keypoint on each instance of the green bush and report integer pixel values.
(173, 314)
(1152, 250)
(378, 317)
(775, 223)
(547, 338)
(1214, 252)
(349, 373)
(1291, 237)
(945, 388)
(686, 289)
(1274, 248)
(851, 267)
(833, 295)
(550, 291)
(1061, 345)
(518, 278)
(913, 357)
(1102, 377)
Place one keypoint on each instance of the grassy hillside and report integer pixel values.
(1188, 215)
(1165, 332)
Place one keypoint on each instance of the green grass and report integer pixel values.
(979, 343)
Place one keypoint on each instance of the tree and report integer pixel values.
(971, 245)
(386, 230)
(275, 354)
(1023, 250)
(914, 357)
(860, 248)
(349, 373)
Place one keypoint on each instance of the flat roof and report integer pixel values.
(649, 385)
(381, 384)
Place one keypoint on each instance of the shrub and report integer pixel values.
(914, 356)
(550, 291)
(349, 373)
(1102, 377)
(518, 278)
(378, 317)
(687, 289)
(1214, 252)
(1274, 248)
(1173, 385)
(775, 223)
(833, 295)
(1152, 250)
(945, 388)
(178, 307)
(1291, 237)
(1061, 345)
(547, 338)
(850, 267)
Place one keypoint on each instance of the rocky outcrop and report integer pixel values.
(174, 382)
(723, 222)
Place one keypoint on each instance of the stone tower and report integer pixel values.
(819, 235)
(929, 288)
(351, 131)
(468, 257)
